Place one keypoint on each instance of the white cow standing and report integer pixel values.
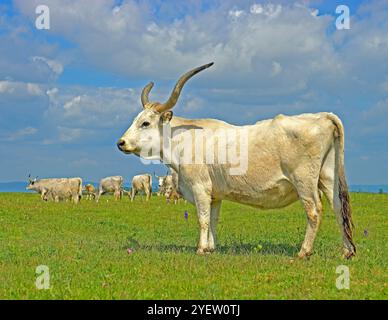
(141, 182)
(57, 189)
(289, 158)
(111, 184)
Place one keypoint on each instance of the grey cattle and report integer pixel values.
(169, 187)
(90, 192)
(57, 189)
(165, 183)
(142, 182)
(161, 183)
(288, 159)
(111, 184)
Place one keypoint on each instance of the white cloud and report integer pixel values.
(276, 68)
(16, 88)
(256, 9)
(72, 103)
(55, 66)
(235, 13)
(28, 131)
(269, 10)
(7, 87)
(136, 44)
(34, 89)
(314, 12)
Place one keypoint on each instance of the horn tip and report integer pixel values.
(209, 65)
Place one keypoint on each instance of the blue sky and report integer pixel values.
(68, 93)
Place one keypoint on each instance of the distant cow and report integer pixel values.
(61, 192)
(161, 184)
(111, 184)
(90, 191)
(169, 188)
(167, 181)
(142, 182)
(57, 189)
(172, 194)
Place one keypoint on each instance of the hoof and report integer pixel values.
(348, 254)
(202, 252)
(304, 255)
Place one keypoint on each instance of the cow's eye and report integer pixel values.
(145, 124)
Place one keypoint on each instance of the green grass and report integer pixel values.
(85, 247)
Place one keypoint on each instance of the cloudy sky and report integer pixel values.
(68, 93)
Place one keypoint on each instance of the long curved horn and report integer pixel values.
(178, 88)
(145, 93)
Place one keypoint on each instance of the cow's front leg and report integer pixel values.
(214, 214)
(43, 194)
(203, 204)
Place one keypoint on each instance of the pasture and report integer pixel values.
(86, 247)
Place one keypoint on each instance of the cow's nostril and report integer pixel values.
(120, 143)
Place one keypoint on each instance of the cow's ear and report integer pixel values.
(166, 117)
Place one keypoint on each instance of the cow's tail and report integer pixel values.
(150, 184)
(344, 209)
(80, 189)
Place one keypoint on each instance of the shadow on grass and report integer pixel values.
(262, 248)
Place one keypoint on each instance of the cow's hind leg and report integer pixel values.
(147, 194)
(311, 200)
(76, 198)
(100, 192)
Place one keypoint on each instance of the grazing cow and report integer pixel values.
(142, 182)
(90, 192)
(111, 184)
(169, 187)
(61, 192)
(289, 158)
(57, 189)
(167, 181)
(172, 194)
(161, 180)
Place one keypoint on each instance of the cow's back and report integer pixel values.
(276, 148)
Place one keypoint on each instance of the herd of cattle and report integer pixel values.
(71, 189)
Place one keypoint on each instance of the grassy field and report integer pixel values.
(85, 247)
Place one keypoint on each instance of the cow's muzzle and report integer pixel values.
(123, 146)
